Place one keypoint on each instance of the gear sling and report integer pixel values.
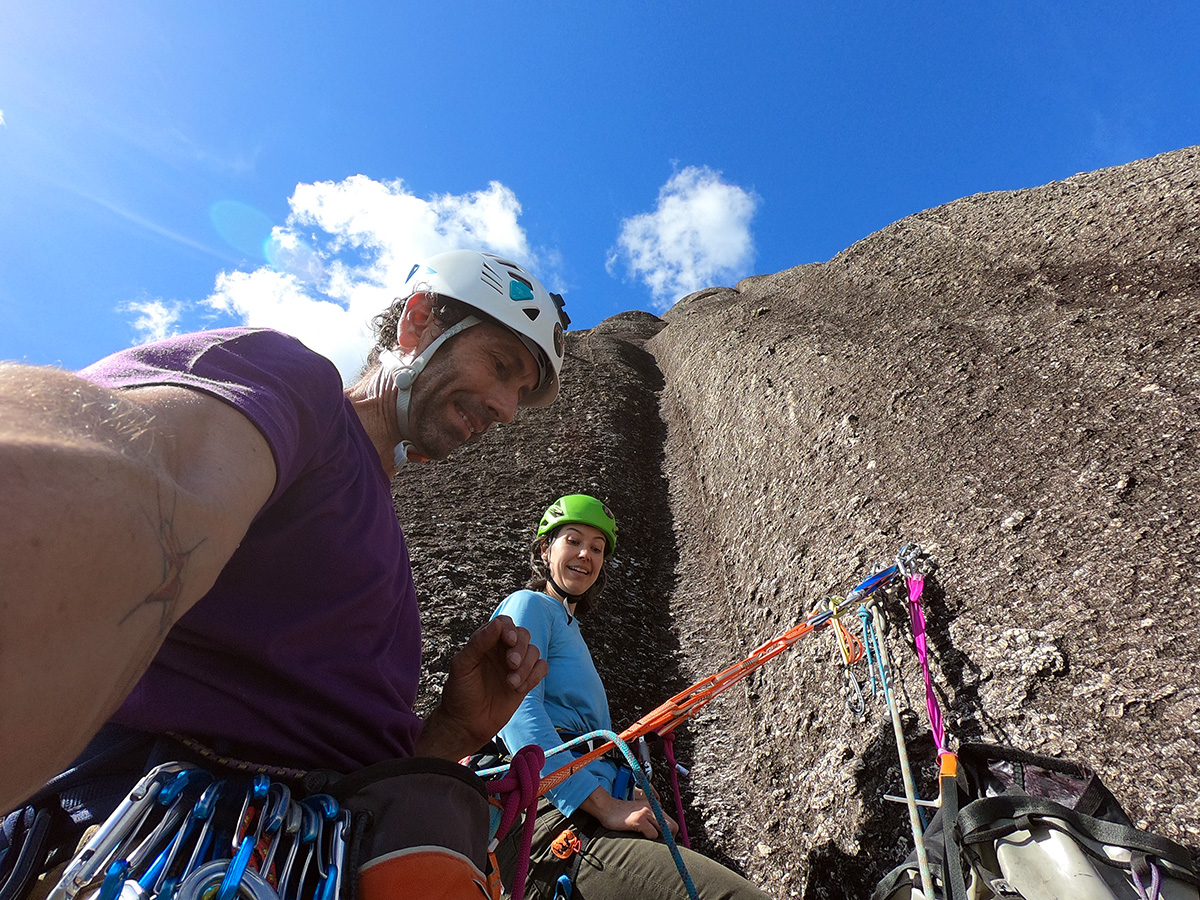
(197, 828)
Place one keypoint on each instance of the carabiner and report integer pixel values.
(203, 812)
(101, 849)
(209, 880)
(275, 810)
(256, 793)
(326, 809)
(855, 700)
(308, 831)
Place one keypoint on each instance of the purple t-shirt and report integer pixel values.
(307, 650)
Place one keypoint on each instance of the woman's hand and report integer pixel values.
(626, 815)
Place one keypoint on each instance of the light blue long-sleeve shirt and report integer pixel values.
(570, 697)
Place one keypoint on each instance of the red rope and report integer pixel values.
(669, 750)
(518, 790)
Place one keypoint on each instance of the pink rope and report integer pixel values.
(669, 749)
(916, 614)
(518, 792)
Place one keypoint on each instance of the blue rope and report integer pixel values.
(874, 658)
(642, 782)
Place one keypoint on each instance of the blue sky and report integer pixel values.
(172, 166)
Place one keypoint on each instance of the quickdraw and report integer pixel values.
(168, 817)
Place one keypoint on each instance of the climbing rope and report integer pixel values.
(611, 739)
(517, 791)
(674, 767)
(872, 621)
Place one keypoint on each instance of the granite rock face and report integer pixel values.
(1011, 381)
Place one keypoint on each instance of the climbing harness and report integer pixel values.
(192, 830)
(606, 740)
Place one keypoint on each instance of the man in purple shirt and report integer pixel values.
(197, 536)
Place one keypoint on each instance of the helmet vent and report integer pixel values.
(532, 312)
(489, 277)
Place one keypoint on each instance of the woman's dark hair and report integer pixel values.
(539, 576)
(446, 312)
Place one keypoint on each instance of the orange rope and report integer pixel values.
(670, 715)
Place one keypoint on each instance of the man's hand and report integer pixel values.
(488, 680)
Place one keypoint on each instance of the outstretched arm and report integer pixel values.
(117, 512)
(488, 679)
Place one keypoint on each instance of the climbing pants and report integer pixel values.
(616, 865)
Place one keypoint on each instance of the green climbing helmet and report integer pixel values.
(580, 509)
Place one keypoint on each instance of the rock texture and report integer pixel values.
(1013, 382)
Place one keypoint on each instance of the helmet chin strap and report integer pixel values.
(403, 372)
(570, 598)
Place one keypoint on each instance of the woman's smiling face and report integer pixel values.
(575, 557)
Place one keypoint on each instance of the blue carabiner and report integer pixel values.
(872, 584)
(257, 792)
(237, 868)
(114, 880)
(203, 812)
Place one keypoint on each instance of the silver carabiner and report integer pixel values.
(643, 752)
(307, 834)
(170, 821)
(855, 701)
(100, 850)
(274, 818)
(256, 792)
(203, 811)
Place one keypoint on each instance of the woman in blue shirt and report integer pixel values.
(574, 539)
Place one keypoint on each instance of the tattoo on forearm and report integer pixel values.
(174, 558)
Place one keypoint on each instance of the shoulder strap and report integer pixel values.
(990, 818)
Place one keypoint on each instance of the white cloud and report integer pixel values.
(697, 237)
(1, 117)
(155, 319)
(345, 251)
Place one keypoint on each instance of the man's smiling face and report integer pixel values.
(477, 378)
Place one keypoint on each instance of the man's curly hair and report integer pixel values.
(446, 312)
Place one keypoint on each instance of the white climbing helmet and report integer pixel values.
(501, 291)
